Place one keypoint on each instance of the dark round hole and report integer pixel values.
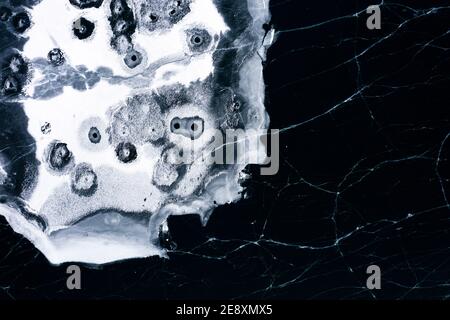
(21, 22)
(194, 127)
(94, 135)
(83, 28)
(176, 125)
(133, 59)
(5, 13)
(153, 17)
(126, 152)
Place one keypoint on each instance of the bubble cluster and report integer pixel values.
(138, 121)
(14, 74)
(56, 57)
(86, 4)
(162, 14)
(123, 25)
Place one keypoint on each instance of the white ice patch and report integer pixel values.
(102, 127)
